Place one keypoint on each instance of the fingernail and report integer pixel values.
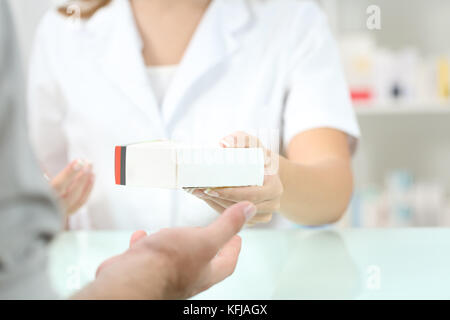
(189, 190)
(192, 191)
(249, 211)
(211, 193)
(225, 143)
(78, 165)
(198, 193)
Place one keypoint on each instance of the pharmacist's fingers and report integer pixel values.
(215, 206)
(85, 193)
(221, 202)
(224, 203)
(265, 206)
(88, 189)
(264, 209)
(271, 189)
(236, 194)
(260, 218)
(240, 139)
(190, 190)
(76, 187)
(243, 140)
(270, 206)
(66, 176)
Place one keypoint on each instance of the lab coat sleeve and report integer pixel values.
(318, 96)
(47, 107)
(46, 104)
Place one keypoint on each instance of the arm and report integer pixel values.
(312, 186)
(28, 217)
(317, 177)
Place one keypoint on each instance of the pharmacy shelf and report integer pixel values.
(403, 110)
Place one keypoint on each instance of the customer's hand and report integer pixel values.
(73, 185)
(267, 198)
(173, 263)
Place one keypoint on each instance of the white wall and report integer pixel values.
(419, 143)
(424, 24)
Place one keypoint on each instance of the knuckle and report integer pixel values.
(263, 218)
(224, 193)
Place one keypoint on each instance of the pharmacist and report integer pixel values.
(194, 71)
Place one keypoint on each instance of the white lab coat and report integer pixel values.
(251, 65)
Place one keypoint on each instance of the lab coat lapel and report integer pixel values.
(213, 41)
(123, 63)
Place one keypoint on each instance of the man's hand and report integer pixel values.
(173, 263)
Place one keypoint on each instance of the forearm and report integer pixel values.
(100, 290)
(121, 281)
(315, 194)
(116, 290)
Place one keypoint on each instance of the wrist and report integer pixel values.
(138, 276)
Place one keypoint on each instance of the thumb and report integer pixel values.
(229, 223)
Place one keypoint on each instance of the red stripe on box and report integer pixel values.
(117, 164)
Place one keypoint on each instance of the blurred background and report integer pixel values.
(398, 75)
(396, 55)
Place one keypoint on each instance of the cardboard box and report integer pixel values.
(164, 164)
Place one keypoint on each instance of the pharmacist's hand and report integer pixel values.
(173, 263)
(267, 198)
(73, 185)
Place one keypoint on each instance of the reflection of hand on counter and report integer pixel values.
(318, 266)
(173, 263)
